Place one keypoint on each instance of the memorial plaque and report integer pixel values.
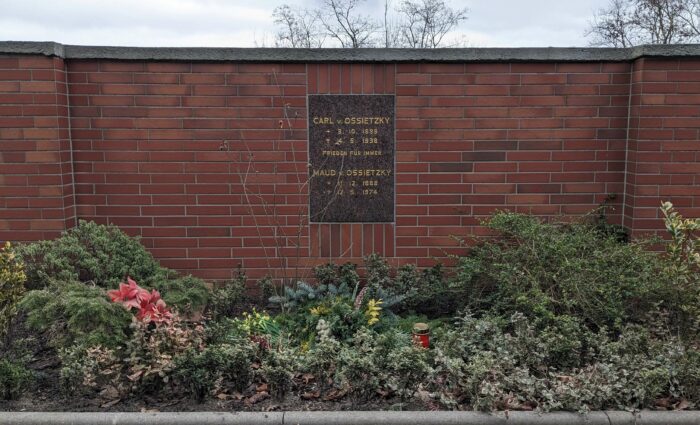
(351, 158)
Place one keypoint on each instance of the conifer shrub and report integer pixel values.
(546, 270)
(187, 294)
(102, 256)
(89, 252)
(73, 313)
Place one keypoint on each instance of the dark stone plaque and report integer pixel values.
(351, 158)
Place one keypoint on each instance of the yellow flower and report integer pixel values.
(373, 311)
(319, 310)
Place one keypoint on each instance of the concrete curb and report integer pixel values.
(132, 418)
(352, 418)
(207, 54)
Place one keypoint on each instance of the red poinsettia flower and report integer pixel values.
(153, 309)
(129, 294)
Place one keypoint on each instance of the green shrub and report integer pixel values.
(89, 252)
(12, 278)
(150, 353)
(408, 366)
(278, 369)
(494, 364)
(199, 371)
(545, 270)
(186, 294)
(224, 331)
(73, 313)
(15, 378)
(373, 363)
(145, 364)
(322, 361)
(682, 270)
(86, 371)
(228, 299)
(359, 368)
(103, 256)
(427, 291)
(344, 275)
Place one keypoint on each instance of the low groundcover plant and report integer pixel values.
(545, 315)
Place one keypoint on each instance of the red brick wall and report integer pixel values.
(545, 139)
(208, 161)
(664, 141)
(36, 186)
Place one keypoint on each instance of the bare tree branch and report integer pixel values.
(613, 26)
(391, 29)
(297, 28)
(425, 23)
(627, 23)
(344, 22)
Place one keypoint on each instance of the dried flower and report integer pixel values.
(359, 298)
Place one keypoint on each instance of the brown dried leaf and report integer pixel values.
(109, 393)
(311, 395)
(663, 403)
(307, 377)
(110, 403)
(255, 398)
(565, 378)
(334, 394)
(384, 393)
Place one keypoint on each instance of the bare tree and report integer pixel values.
(627, 23)
(663, 20)
(693, 17)
(425, 23)
(613, 26)
(343, 21)
(414, 23)
(297, 28)
(391, 29)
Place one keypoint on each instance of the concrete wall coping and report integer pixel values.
(354, 418)
(224, 54)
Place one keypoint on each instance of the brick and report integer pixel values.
(483, 156)
(451, 167)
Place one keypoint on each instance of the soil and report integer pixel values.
(45, 398)
(43, 402)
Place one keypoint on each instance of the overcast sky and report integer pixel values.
(248, 23)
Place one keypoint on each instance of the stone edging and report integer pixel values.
(354, 418)
(213, 54)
